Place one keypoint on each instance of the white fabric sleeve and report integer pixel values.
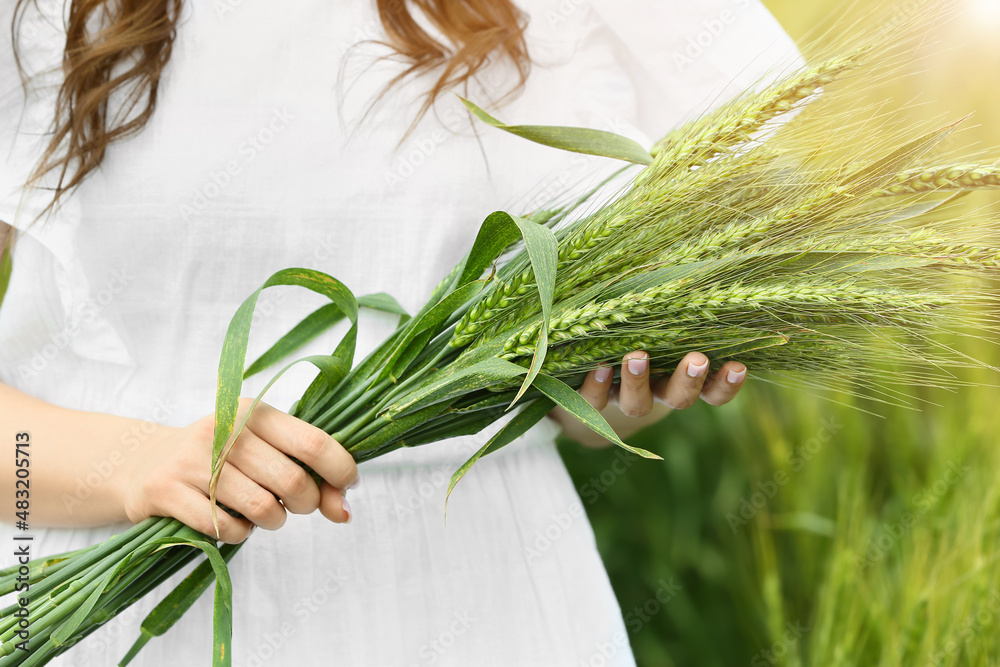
(25, 124)
(26, 114)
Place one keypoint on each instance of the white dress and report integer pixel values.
(255, 161)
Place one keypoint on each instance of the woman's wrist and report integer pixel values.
(78, 460)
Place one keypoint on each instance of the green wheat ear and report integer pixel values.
(735, 123)
(954, 177)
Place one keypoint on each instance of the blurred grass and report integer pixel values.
(801, 529)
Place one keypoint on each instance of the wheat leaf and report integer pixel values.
(533, 413)
(575, 404)
(573, 139)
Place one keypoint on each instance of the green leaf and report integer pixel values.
(65, 631)
(872, 176)
(574, 139)
(743, 347)
(6, 267)
(543, 252)
(837, 261)
(358, 376)
(515, 428)
(467, 425)
(235, 346)
(316, 323)
(321, 386)
(308, 329)
(895, 214)
(396, 429)
(577, 405)
(223, 590)
(886, 263)
(178, 601)
(425, 327)
(408, 355)
(456, 380)
(222, 614)
(495, 234)
(494, 400)
(385, 303)
(222, 610)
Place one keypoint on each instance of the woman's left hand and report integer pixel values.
(638, 401)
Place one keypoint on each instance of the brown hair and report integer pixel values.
(122, 46)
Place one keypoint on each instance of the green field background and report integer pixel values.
(796, 529)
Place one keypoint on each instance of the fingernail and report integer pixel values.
(735, 377)
(697, 371)
(602, 374)
(355, 483)
(638, 366)
(347, 508)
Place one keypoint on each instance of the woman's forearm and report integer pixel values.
(90, 469)
(76, 460)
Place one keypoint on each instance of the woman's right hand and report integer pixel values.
(169, 475)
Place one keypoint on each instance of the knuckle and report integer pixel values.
(203, 523)
(595, 398)
(259, 506)
(349, 471)
(313, 444)
(714, 400)
(204, 430)
(294, 481)
(634, 410)
(230, 530)
(684, 403)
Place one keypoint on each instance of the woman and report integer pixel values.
(263, 151)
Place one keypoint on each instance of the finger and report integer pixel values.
(191, 506)
(333, 505)
(275, 472)
(614, 393)
(307, 443)
(683, 387)
(257, 504)
(724, 385)
(635, 397)
(597, 387)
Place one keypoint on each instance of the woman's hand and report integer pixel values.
(170, 475)
(637, 401)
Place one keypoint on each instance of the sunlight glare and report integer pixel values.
(985, 10)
